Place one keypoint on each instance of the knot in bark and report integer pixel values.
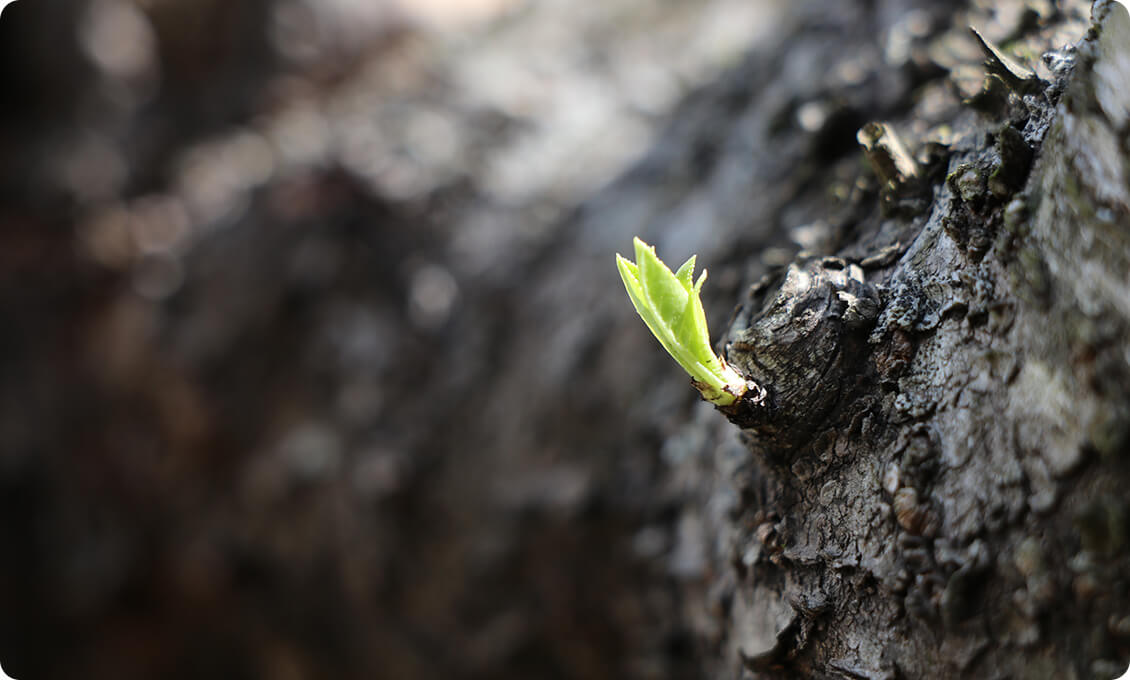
(801, 346)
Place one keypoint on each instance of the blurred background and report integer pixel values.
(313, 363)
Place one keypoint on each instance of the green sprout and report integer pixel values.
(669, 304)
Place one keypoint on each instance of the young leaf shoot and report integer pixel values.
(669, 304)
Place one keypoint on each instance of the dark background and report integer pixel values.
(311, 365)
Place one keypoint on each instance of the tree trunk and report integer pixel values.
(934, 485)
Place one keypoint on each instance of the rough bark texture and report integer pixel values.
(332, 418)
(933, 486)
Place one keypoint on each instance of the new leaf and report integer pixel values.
(669, 304)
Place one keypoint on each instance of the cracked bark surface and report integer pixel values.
(935, 488)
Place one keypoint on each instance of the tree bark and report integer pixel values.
(933, 487)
